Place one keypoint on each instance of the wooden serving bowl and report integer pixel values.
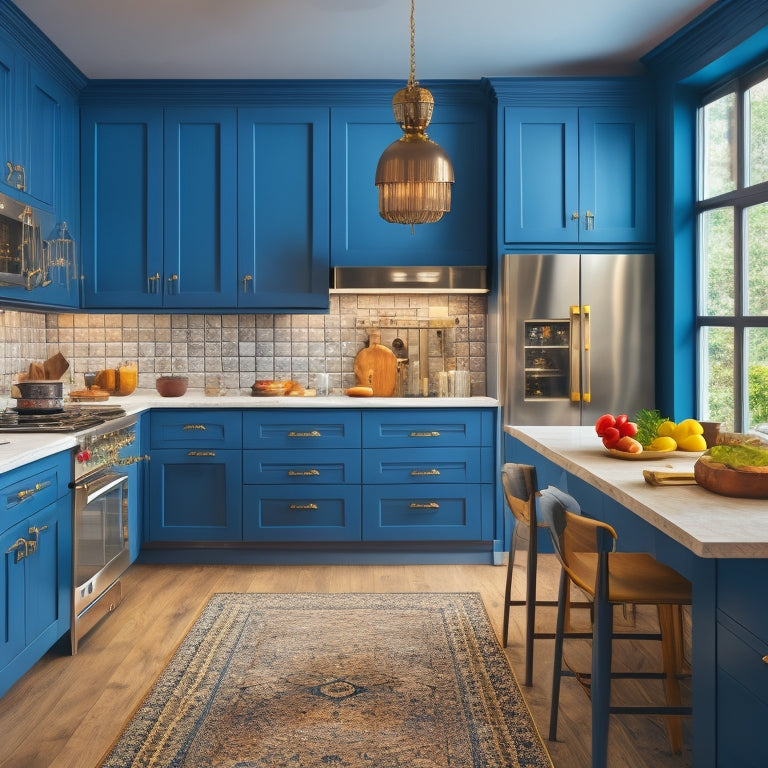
(746, 483)
(172, 386)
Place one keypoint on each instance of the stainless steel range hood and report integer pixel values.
(408, 280)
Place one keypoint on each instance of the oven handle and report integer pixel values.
(100, 485)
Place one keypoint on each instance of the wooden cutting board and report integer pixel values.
(376, 367)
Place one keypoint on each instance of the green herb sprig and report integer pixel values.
(648, 423)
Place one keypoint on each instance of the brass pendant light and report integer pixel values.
(414, 174)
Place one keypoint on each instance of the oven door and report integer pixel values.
(100, 547)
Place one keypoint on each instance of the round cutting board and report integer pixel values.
(376, 367)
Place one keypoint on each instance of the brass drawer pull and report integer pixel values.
(201, 453)
(428, 505)
(194, 426)
(425, 434)
(765, 659)
(303, 506)
(21, 495)
(420, 472)
(304, 473)
(313, 433)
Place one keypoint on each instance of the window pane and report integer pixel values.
(756, 251)
(757, 376)
(757, 123)
(719, 150)
(716, 262)
(717, 386)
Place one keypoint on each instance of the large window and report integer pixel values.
(732, 218)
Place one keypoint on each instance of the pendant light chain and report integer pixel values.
(412, 76)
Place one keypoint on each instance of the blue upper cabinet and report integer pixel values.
(576, 175)
(38, 142)
(283, 210)
(360, 237)
(576, 159)
(200, 220)
(122, 207)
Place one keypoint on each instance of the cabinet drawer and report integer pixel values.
(740, 654)
(741, 593)
(302, 467)
(301, 429)
(28, 489)
(418, 465)
(196, 428)
(320, 513)
(394, 513)
(426, 428)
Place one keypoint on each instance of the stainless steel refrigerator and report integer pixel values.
(577, 337)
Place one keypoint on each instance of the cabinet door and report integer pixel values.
(615, 176)
(540, 175)
(360, 237)
(283, 210)
(195, 495)
(12, 596)
(8, 113)
(43, 154)
(122, 205)
(200, 214)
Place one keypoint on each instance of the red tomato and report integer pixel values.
(622, 418)
(611, 436)
(628, 429)
(605, 421)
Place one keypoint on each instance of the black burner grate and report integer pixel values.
(70, 419)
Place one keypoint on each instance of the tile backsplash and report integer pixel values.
(242, 348)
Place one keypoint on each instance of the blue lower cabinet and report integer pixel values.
(319, 513)
(36, 570)
(418, 513)
(196, 495)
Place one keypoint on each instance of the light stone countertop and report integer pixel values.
(23, 447)
(707, 524)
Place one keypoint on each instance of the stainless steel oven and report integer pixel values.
(100, 532)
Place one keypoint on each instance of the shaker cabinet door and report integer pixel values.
(122, 204)
(200, 214)
(283, 208)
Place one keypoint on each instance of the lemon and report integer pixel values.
(664, 443)
(666, 428)
(692, 443)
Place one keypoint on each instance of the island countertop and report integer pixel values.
(707, 524)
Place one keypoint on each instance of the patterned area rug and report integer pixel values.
(340, 680)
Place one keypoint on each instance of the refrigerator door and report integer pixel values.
(538, 372)
(578, 337)
(618, 369)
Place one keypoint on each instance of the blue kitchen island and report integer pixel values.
(719, 543)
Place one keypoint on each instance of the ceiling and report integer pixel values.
(265, 39)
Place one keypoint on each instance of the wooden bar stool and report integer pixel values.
(520, 492)
(585, 548)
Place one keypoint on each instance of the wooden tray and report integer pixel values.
(90, 395)
(653, 455)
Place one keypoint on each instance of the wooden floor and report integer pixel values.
(67, 710)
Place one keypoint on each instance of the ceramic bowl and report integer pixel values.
(172, 386)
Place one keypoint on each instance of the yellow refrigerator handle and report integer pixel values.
(587, 383)
(575, 353)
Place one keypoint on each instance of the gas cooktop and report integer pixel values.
(70, 419)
